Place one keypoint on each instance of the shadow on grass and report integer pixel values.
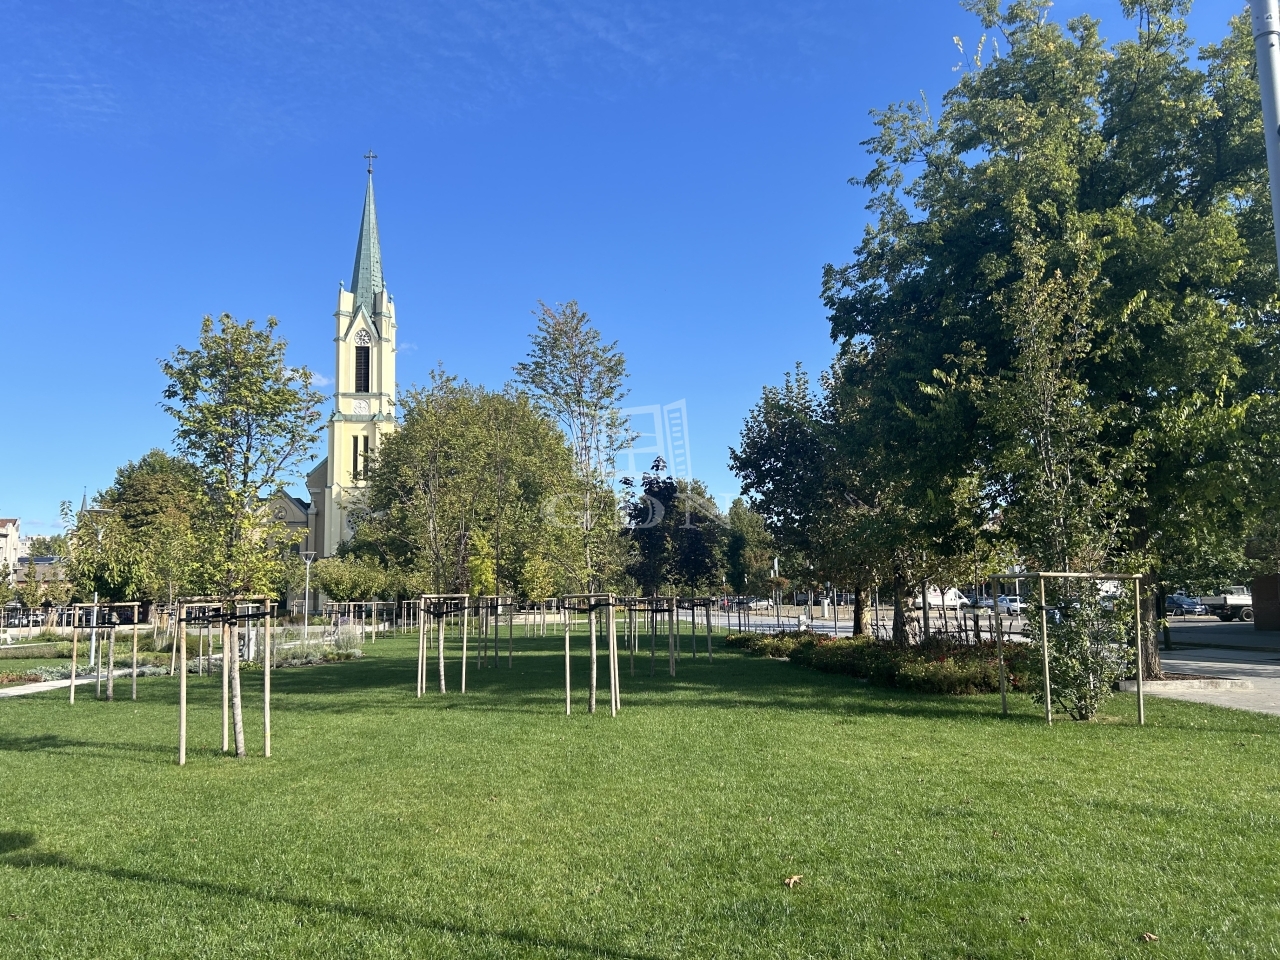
(43, 742)
(18, 849)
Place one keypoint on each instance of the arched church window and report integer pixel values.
(362, 361)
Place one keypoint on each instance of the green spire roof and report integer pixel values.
(366, 278)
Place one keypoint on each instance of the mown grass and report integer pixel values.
(491, 825)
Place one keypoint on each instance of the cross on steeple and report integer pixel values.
(371, 156)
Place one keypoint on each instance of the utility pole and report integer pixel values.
(1266, 42)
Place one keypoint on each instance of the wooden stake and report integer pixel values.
(671, 634)
(615, 671)
(266, 686)
(464, 647)
(653, 637)
(135, 651)
(591, 690)
(1044, 637)
(1004, 696)
(226, 689)
(1137, 623)
(440, 651)
(182, 701)
(111, 665)
(422, 647)
(74, 652)
(708, 632)
(566, 667)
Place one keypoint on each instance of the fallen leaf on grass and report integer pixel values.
(1150, 937)
(1023, 919)
(995, 834)
(791, 882)
(17, 916)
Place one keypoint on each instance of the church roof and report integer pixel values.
(366, 278)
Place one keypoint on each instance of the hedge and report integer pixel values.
(937, 668)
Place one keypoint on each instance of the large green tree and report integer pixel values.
(1127, 174)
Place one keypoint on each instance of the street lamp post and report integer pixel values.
(307, 557)
(1266, 43)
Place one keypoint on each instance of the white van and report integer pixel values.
(953, 599)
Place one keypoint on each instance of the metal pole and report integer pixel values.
(1044, 639)
(1266, 43)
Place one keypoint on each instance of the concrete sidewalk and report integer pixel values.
(1207, 647)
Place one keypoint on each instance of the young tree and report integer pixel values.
(579, 381)
(246, 421)
(1057, 486)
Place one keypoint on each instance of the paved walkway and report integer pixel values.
(1237, 651)
(44, 685)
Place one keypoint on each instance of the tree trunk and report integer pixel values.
(899, 607)
(237, 706)
(1151, 669)
(861, 616)
(1162, 593)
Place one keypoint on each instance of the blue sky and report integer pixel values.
(679, 168)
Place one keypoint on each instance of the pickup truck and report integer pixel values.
(1234, 603)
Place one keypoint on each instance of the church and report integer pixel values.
(364, 387)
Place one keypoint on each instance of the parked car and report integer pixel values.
(760, 603)
(1177, 603)
(1010, 606)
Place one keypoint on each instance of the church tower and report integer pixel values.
(364, 387)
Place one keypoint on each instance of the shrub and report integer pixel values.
(938, 667)
(1088, 654)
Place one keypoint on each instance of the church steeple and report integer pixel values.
(364, 388)
(366, 277)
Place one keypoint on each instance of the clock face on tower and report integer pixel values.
(360, 407)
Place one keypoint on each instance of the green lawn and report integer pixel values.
(491, 825)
